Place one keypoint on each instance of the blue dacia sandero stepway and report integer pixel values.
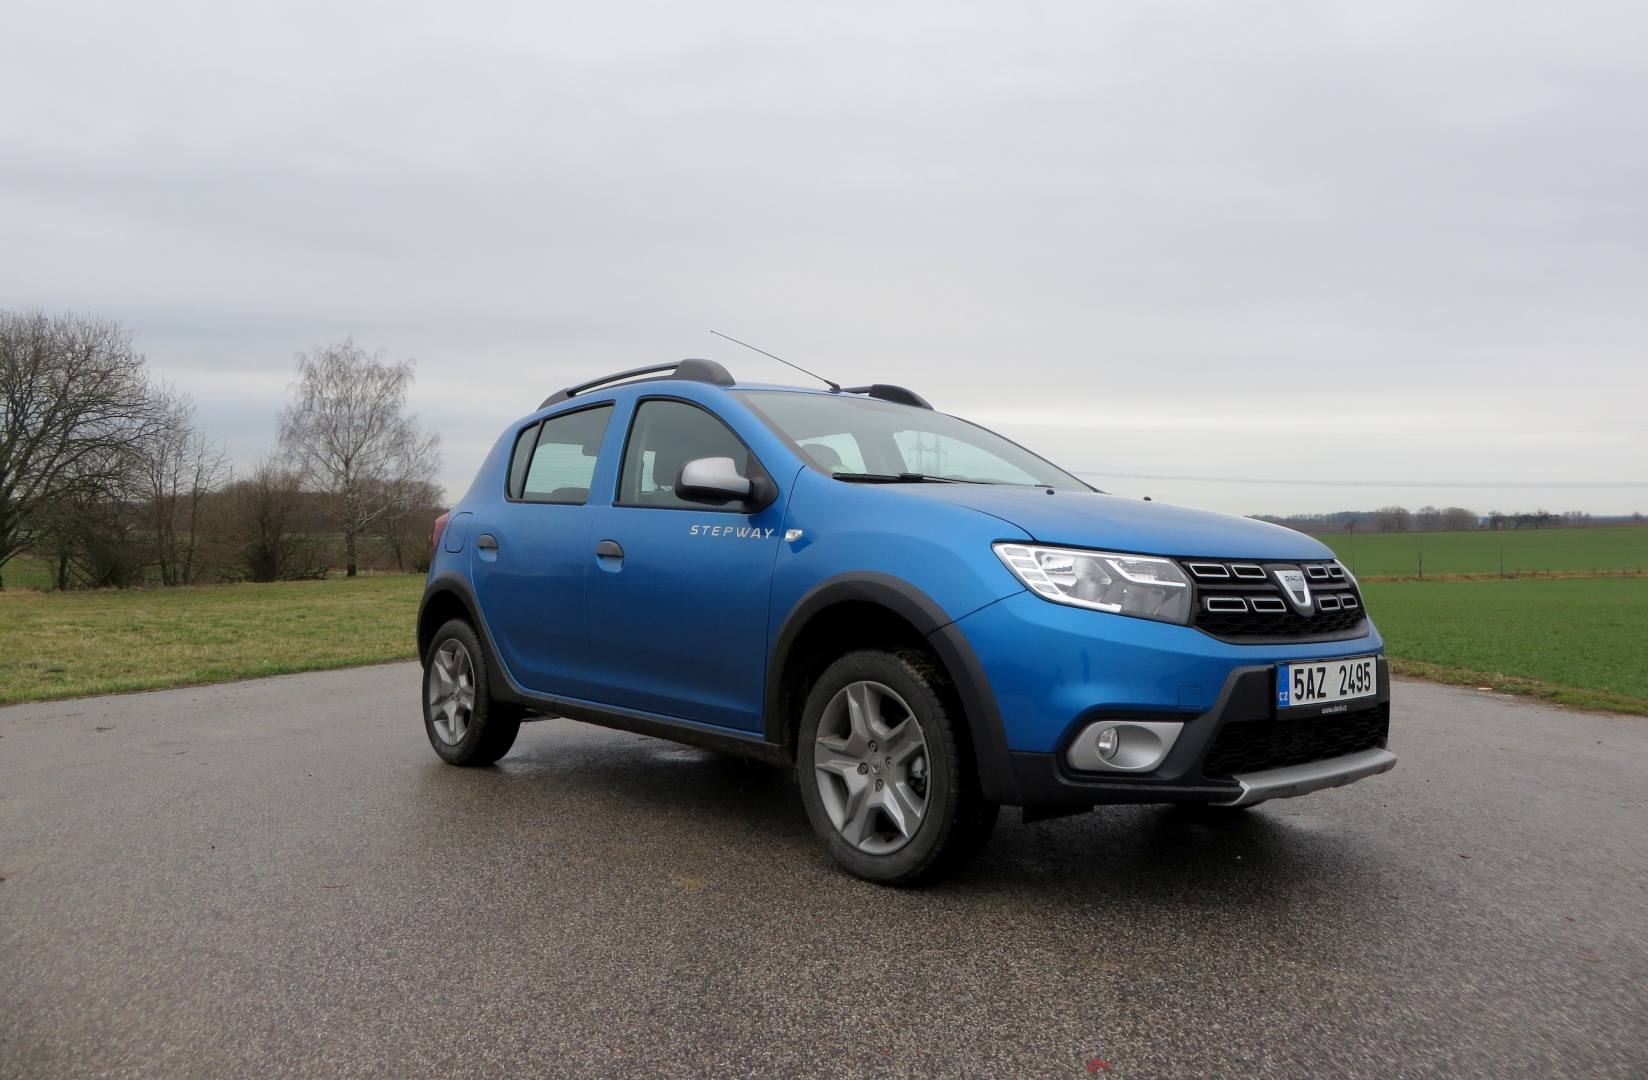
(923, 619)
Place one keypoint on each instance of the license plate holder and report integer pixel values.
(1325, 682)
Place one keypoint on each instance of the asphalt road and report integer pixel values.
(278, 878)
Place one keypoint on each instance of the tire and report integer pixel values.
(890, 784)
(464, 724)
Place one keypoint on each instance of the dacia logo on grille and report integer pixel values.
(1298, 590)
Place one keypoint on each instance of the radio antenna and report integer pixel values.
(835, 387)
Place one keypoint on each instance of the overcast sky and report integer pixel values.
(1349, 242)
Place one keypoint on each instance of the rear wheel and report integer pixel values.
(888, 782)
(464, 724)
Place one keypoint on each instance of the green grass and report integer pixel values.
(26, 573)
(1585, 634)
(1583, 641)
(71, 644)
(1518, 551)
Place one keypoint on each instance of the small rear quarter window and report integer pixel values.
(521, 458)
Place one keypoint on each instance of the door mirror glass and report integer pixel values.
(712, 479)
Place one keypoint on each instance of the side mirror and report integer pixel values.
(712, 479)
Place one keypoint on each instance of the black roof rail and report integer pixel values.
(889, 392)
(704, 371)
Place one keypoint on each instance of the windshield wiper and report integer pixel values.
(901, 478)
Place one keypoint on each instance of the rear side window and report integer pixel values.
(555, 461)
(665, 436)
(524, 442)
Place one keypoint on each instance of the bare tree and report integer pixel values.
(272, 526)
(349, 437)
(406, 525)
(1392, 519)
(1458, 519)
(177, 467)
(1428, 519)
(94, 531)
(73, 399)
(268, 509)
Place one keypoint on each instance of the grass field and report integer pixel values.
(21, 573)
(67, 645)
(1518, 551)
(1585, 634)
(1583, 641)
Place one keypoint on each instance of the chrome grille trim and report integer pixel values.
(1242, 603)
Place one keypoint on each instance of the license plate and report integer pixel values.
(1319, 682)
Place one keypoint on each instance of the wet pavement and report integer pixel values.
(278, 878)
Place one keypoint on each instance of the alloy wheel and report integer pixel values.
(451, 692)
(870, 762)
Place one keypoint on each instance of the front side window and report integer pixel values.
(664, 437)
(849, 436)
(558, 465)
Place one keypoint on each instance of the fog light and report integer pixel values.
(1107, 742)
(1130, 746)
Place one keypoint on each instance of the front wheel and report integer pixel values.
(888, 782)
(464, 724)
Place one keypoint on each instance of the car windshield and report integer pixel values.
(853, 437)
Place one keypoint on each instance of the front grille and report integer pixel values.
(1266, 624)
(1242, 603)
(1246, 746)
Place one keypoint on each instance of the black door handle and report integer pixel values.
(487, 542)
(609, 549)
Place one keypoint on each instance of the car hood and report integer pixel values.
(1094, 520)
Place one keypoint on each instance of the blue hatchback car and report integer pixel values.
(922, 618)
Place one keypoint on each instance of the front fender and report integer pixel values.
(951, 646)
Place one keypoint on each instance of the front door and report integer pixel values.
(531, 580)
(676, 606)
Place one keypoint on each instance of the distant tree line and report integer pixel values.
(106, 476)
(1399, 519)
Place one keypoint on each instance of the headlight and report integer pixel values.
(1121, 584)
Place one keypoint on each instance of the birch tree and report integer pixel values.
(349, 436)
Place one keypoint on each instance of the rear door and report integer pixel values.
(530, 576)
(677, 624)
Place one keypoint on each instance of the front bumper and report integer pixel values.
(1237, 753)
(1053, 670)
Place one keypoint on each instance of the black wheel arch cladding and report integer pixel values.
(938, 633)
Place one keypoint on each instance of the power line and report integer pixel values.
(1378, 483)
(1394, 432)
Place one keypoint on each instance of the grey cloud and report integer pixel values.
(1242, 220)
